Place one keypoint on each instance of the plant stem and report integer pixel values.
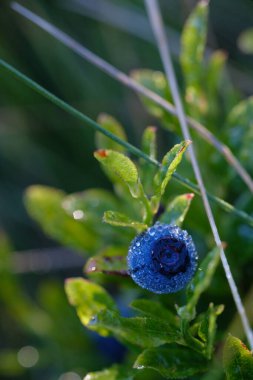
(148, 217)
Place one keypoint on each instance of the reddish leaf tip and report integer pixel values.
(189, 196)
(152, 128)
(102, 153)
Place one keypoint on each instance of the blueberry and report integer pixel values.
(162, 259)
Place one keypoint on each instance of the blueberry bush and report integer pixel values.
(153, 292)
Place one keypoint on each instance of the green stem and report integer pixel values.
(190, 341)
(80, 116)
(146, 203)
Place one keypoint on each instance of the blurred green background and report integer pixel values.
(40, 144)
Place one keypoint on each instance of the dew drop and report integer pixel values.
(78, 214)
(93, 320)
(91, 266)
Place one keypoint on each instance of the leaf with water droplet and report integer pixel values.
(115, 218)
(92, 203)
(88, 207)
(89, 299)
(111, 260)
(174, 362)
(44, 204)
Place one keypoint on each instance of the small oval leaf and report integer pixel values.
(121, 166)
(169, 165)
(118, 219)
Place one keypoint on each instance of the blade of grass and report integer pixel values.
(155, 17)
(131, 83)
(85, 119)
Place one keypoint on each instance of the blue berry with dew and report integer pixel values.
(162, 259)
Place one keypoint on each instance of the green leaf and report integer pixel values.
(169, 165)
(149, 146)
(193, 45)
(111, 260)
(140, 331)
(89, 299)
(207, 328)
(116, 372)
(121, 166)
(176, 210)
(200, 282)
(240, 130)
(156, 82)
(172, 362)
(240, 118)
(88, 208)
(237, 360)
(214, 72)
(156, 310)
(90, 204)
(117, 219)
(112, 125)
(44, 204)
(200, 335)
(245, 41)
(215, 83)
(190, 337)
